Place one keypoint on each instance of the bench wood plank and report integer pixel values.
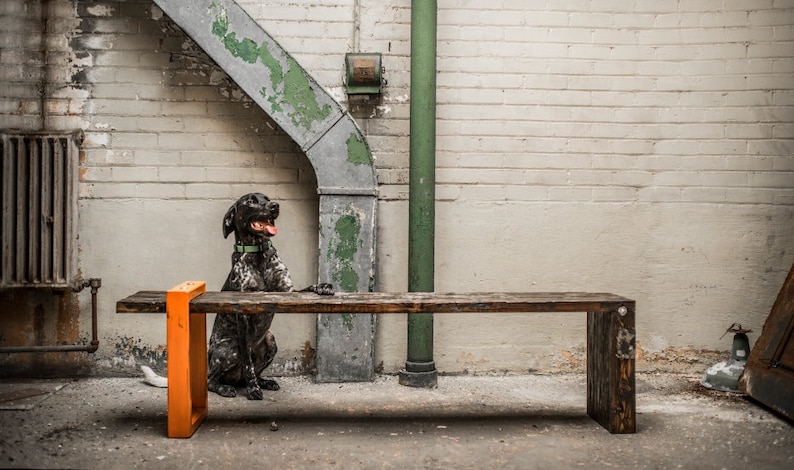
(610, 335)
(379, 302)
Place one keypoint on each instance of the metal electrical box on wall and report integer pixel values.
(364, 73)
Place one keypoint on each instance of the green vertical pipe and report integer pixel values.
(420, 370)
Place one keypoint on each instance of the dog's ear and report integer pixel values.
(228, 221)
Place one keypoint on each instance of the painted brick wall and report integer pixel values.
(170, 143)
(640, 147)
(173, 142)
(32, 96)
(653, 101)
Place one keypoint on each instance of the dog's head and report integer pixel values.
(252, 219)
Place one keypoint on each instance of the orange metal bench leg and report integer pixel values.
(187, 360)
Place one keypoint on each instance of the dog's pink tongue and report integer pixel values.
(264, 227)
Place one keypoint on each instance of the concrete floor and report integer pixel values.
(523, 422)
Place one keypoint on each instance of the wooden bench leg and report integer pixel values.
(187, 360)
(610, 369)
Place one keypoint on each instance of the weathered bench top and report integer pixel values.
(610, 336)
(380, 302)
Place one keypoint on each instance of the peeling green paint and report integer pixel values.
(291, 87)
(347, 320)
(342, 253)
(357, 151)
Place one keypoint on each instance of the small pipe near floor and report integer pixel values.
(94, 284)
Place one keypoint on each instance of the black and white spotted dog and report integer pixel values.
(242, 346)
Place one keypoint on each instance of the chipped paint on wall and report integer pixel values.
(133, 352)
(357, 151)
(343, 249)
(289, 82)
(347, 321)
(469, 362)
(568, 360)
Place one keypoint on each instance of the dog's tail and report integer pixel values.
(149, 377)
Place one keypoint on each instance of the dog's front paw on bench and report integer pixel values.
(321, 289)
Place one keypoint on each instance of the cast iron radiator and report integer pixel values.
(38, 232)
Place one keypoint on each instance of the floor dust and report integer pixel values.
(521, 422)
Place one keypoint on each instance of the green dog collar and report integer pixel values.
(252, 248)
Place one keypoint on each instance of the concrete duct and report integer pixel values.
(337, 150)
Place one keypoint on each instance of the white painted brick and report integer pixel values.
(615, 194)
(771, 81)
(134, 174)
(589, 51)
(548, 145)
(782, 97)
(660, 194)
(725, 178)
(160, 191)
(399, 193)
(702, 162)
(783, 32)
(780, 179)
(288, 161)
(95, 174)
(748, 131)
(397, 176)
(263, 175)
(769, 147)
(702, 194)
(181, 175)
(526, 193)
(119, 157)
(134, 140)
(443, 193)
(209, 191)
(770, 17)
(156, 158)
(780, 65)
(784, 197)
(186, 108)
(734, 150)
(478, 176)
(659, 162)
(218, 142)
(677, 178)
(631, 147)
(151, 124)
(750, 196)
(109, 190)
(571, 194)
(757, 163)
(117, 107)
(296, 192)
(783, 163)
(481, 193)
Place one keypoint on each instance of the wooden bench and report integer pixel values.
(610, 336)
